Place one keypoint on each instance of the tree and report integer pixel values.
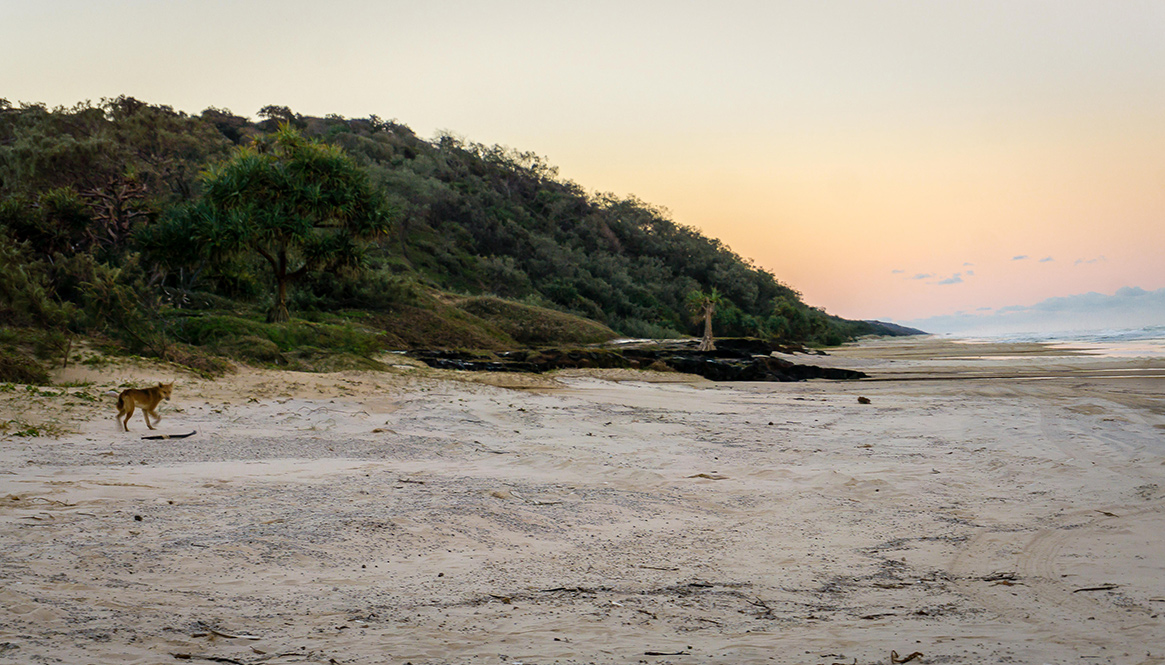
(298, 204)
(703, 305)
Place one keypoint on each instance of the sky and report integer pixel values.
(892, 160)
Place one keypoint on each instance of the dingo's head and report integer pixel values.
(166, 389)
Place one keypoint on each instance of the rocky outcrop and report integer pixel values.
(756, 368)
(733, 360)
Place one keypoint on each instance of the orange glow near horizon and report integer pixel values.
(1087, 210)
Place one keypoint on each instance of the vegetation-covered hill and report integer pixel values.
(134, 221)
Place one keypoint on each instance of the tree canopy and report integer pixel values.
(300, 205)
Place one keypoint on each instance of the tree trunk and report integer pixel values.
(706, 343)
(279, 312)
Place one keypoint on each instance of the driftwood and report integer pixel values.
(171, 436)
(233, 637)
(1102, 587)
(571, 589)
(214, 659)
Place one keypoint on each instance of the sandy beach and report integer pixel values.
(991, 503)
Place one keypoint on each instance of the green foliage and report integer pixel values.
(18, 366)
(373, 288)
(702, 304)
(494, 220)
(536, 326)
(301, 206)
(55, 221)
(636, 328)
(133, 221)
(289, 344)
(88, 147)
(436, 324)
(23, 429)
(121, 303)
(25, 297)
(19, 352)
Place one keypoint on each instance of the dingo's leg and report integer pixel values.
(146, 415)
(152, 412)
(128, 411)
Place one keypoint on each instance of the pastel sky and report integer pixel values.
(894, 160)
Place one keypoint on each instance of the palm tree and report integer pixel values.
(703, 306)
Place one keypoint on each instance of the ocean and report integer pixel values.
(1148, 342)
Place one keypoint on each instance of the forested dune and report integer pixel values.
(126, 218)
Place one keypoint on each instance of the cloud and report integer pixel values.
(1099, 259)
(1132, 292)
(970, 273)
(956, 278)
(968, 264)
(1046, 259)
(897, 272)
(1129, 307)
(922, 275)
(1021, 257)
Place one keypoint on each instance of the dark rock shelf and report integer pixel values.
(733, 360)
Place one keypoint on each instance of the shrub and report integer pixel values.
(16, 366)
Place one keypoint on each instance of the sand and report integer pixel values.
(992, 503)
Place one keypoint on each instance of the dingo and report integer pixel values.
(147, 398)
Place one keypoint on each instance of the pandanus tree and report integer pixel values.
(301, 205)
(703, 306)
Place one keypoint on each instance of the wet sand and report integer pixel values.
(992, 503)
